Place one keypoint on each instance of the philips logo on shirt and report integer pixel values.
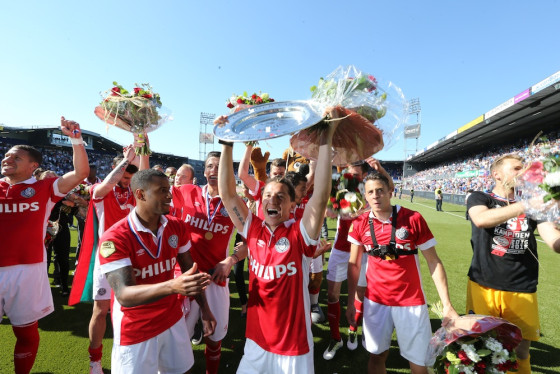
(19, 207)
(272, 272)
(155, 269)
(203, 224)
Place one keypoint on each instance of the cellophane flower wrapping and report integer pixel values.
(474, 344)
(373, 115)
(346, 199)
(138, 112)
(540, 189)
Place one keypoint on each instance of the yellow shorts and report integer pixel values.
(518, 308)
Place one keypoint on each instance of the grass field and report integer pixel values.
(64, 342)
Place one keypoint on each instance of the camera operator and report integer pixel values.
(391, 237)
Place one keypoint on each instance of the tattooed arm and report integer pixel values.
(114, 176)
(235, 206)
(129, 294)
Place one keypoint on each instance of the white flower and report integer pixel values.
(500, 357)
(471, 352)
(350, 197)
(493, 345)
(233, 100)
(552, 179)
(465, 369)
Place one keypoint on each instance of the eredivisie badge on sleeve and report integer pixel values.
(107, 249)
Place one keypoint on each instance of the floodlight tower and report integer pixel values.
(205, 137)
(412, 131)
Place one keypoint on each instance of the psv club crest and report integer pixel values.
(282, 245)
(173, 241)
(402, 233)
(28, 192)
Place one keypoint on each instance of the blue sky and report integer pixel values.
(460, 59)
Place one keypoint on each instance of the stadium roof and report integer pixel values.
(522, 116)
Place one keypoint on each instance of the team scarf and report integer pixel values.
(82, 285)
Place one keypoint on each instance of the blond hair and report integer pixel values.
(500, 160)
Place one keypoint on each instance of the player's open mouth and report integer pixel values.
(272, 212)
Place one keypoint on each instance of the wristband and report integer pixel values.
(236, 258)
(77, 141)
(223, 142)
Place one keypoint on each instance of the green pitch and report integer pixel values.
(64, 341)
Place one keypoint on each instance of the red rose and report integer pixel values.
(480, 367)
(535, 173)
(116, 91)
(344, 204)
(254, 97)
(335, 206)
(230, 105)
(240, 101)
(271, 100)
(465, 360)
(259, 100)
(503, 367)
(348, 176)
(333, 199)
(147, 96)
(513, 365)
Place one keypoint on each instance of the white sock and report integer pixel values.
(314, 298)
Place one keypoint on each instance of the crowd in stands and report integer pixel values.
(59, 159)
(446, 175)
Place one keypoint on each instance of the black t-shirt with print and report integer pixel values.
(504, 257)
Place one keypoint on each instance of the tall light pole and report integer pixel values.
(412, 131)
(205, 137)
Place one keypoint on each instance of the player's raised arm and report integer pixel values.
(115, 175)
(315, 209)
(234, 205)
(243, 171)
(81, 165)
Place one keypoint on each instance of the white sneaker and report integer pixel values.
(317, 315)
(352, 342)
(95, 367)
(332, 348)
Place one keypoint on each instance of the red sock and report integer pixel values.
(333, 314)
(95, 354)
(213, 355)
(27, 344)
(359, 312)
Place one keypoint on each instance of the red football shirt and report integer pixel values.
(278, 278)
(116, 205)
(257, 195)
(153, 258)
(210, 226)
(24, 211)
(397, 282)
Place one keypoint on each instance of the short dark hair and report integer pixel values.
(278, 162)
(362, 164)
(377, 176)
(144, 178)
(212, 154)
(129, 169)
(33, 153)
(93, 166)
(295, 178)
(285, 182)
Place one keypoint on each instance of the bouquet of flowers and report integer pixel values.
(474, 344)
(138, 112)
(540, 185)
(364, 103)
(346, 199)
(239, 102)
